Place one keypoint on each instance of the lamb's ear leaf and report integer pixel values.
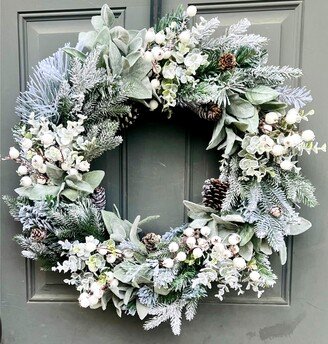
(79, 185)
(38, 192)
(148, 219)
(71, 194)
(142, 310)
(246, 234)
(246, 251)
(261, 94)
(300, 227)
(75, 53)
(283, 255)
(54, 173)
(134, 237)
(218, 134)
(114, 226)
(93, 178)
(107, 16)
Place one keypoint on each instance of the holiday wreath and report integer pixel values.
(77, 101)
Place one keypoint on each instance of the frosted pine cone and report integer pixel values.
(151, 240)
(276, 211)
(98, 198)
(227, 61)
(38, 234)
(214, 192)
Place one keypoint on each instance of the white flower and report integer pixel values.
(155, 83)
(158, 53)
(206, 231)
(203, 244)
(234, 239)
(181, 257)
(26, 181)
(160, 37)
(26, 144)
(197, 252)
(83, 166)
(148, 56)
(194, 60)
(191, 242)
(254, 276)
(37, 161)
(13, 153)
(97, 289)
(308, 135)
(234, 249)
(191, 11)
(84, 300)
(167, 54)
(278, 150)
(272, 117)
(93, 300)
(53, 154)
(216, 240)
(153, 105)
(111, 258)
(173, 247)
(188, 232)
(64, 166)
(169, 70)
(150, 35)
(91, 243)
(22, 170)
(292, 116)
(47, 139)
(239, 263)
(184, 36)
(293, 140)
(168, 263)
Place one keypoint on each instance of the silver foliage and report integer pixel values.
(297, 97)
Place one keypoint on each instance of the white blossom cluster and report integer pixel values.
(175, 59)
(279, 139)
(90, 264)
(44, 145)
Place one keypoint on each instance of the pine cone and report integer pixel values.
(127, 120)
(227, 61)
(276, 211)
(214, 192)
(210, 112)
(98, 198)
(151, 240)
(38, 234)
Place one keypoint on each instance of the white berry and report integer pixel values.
(197, 252)
(155, 83)
(73, 172)
(191, 242)
(160, 37)
(216, 240)
(181, 257)
(150, 35)
(168, 263)
(26, 144)
(191, 11)
(148, 56)
(286, 165)
(13, 153)
(278, 150)
(272, 117)
(206, 231)
(158, 53)
(292, 116)
(295, 140)
(254, 276)
(173, 247)
(26, 181)
(153, 105)
(308, 135)
(184, 36)
(234, 239)
(111, 258)
(47, 139)
(239, 263)
(188, 232)
(22, 170)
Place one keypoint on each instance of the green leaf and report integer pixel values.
(261, 94)
(233, 218)
(114, 226)
(231, 137)
(148, 219)
(265, 248)
(162, 291)
(241, 108)
(197, 207)
(283, 255)
(246, 251)
(134, 237)
(142, 310)
(97, 23)
(105, 299)
(220, 221)
(274, 106)
(71, 194)
(133, 58)
(79, 185)
(38, 192)
(55, 173)
(119, 33)
(300, 227)
(103, 36)
(93, 178)
(135, 44)
(138, 89)
(198, 223)
(246, 234)
(75, 53)
(218, 134)
(107, 16)
(115, 58)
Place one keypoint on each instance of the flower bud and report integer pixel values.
(158, 53)
(286, 165)
(150, 35)
(153, 105)
(191, 242)
(292, 116)
(155, 83)
(234, 239)
(47, 139)
(148, 56)
(160, 37)
(216, 240)
(26, 144)
(188, 232)
(278, 150)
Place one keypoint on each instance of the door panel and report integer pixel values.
(161, 163)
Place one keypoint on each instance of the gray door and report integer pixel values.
(161, 163)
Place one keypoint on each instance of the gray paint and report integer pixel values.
(161, 163)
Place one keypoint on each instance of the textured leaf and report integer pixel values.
(246, 234)
(71, 194)
(55, 173)
(142, 310)
(38, 192)
(79, 186)
(114, 226)
(134, 237)
(233, 218)
(103, 36)
(135, 44)
(300, 227)
(261, 94)
(226, 224)
(197, 208)
(274, 106)
(241, 108)
(88, 39)
(75, 53)
(246, 251)
(265, 248)
(198, 223)
(283, 255)
(93, 178)
(97, 23)
(119, 33)
(218, 134)
(148, 219)
(107, 16)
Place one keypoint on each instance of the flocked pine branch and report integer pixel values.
(297, 97)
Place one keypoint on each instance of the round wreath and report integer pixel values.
(78, 99)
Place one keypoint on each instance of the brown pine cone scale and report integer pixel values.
(214, 192)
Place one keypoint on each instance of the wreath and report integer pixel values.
(72, 111)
